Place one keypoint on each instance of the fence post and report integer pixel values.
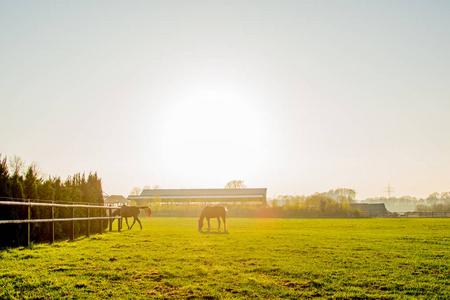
(119, 223)
(110, 220)
(72, 223)
(52, 225)
(29, 226)
(101, 221)
(88, 227)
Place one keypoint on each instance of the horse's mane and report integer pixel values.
(202, 215)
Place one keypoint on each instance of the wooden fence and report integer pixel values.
(418, 214)
(72, 219)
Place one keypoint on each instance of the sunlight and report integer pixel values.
(218, 135)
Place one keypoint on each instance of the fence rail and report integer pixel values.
(417, 214)
(53, 204)
(54, 220)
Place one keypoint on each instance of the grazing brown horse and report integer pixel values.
(213, 212)
(132, 211)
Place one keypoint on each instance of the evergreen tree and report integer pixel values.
(11, 187)
(76, 196)
(15, 183)
(30, 184)
(5, 211)
(46, 191)
(4, 178)
(94, 186)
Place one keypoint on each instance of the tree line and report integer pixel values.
(435, 202)
(20, 186)
(333, 201)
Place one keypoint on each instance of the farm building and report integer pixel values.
(116, 200)
(375, 209)
(201, 196)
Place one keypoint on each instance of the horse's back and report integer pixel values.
(130, 211)
(215, 211)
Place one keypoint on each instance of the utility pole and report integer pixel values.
(389, 190)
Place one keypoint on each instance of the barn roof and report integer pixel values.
(204, 192)
(369, 207)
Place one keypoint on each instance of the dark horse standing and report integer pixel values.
(213, 212)
(132, 211)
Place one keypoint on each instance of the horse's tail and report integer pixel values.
(226, 210)
(147, 210)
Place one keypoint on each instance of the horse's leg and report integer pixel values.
(218, 220)
(126, 220)
(139, 222)
(134, 221)
(224, 222)
(209, 224)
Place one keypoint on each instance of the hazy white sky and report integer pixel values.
(295, 96)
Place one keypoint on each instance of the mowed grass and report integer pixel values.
(258, 258)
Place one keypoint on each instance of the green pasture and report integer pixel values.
(257, 258)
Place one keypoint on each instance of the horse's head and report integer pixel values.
(200, 224)
(115, 213)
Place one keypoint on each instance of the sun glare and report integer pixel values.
(215, 135)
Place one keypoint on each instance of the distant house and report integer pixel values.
(201, 196)
(375, 209)
(116, 201)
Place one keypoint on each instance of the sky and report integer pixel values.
(295, 96)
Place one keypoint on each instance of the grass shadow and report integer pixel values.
(213, 232)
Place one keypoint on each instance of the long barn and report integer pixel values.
(374, 209)
(201, 196)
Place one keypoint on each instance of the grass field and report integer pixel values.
(257, 258)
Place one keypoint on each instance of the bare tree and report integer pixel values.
(422, 208)
(17, 165)
(235, 184)
(148, 187)
(138, 191)
(135, 191)
(37, 170)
